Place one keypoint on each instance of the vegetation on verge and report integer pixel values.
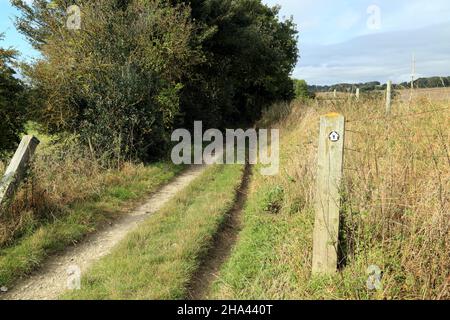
(63, 201)
(158, 260)
(395, 207)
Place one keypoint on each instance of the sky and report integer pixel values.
(369, 40)
(12, 37)
(344, 40)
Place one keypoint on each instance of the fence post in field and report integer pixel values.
(327, 202)
(335, 94)
(388, 97)
(357, 94)
(17, 167)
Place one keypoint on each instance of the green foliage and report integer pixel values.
(137, 68)
(115, 81)
(301, 89)
(273, 200)
(432, 82)
(13, 97)
(250, 55)
(348, 87)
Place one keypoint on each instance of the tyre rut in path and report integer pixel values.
(50, 280)
(223, 243)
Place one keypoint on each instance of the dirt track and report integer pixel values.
(49, 281)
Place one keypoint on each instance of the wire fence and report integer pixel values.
(380, 152)
(394, 117)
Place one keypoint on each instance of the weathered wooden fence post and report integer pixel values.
(335, 93)
(17, 167)
(329, 175)
(388, 97)
(357, 94)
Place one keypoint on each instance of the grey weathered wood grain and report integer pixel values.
(329, 175)
(17, 167)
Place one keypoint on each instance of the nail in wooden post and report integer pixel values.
(329, 175)
(17, 167)
(388, 97)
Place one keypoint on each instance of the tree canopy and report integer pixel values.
(13, 99)
(135, 69)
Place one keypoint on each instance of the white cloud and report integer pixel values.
(380, 56)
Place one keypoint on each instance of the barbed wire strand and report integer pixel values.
(436, 135)
(386, 117)
(380, 154)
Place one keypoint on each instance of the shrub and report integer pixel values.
(13, 97)
(115, 81)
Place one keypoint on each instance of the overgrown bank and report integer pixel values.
(395, 208)
(68, 195)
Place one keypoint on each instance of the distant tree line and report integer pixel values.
(347, 87)
(136, 69)
(431, 82)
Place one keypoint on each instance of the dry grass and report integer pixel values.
(395, 207)
(67, 195)
(433, 94)
(60, 176)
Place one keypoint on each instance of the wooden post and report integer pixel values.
(357, 94)
(388, 97)
(17, 167)
(329, 175)
(335, 93)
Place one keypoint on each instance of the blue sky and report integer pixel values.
(345, 40)
(338, 45)
(12, 37)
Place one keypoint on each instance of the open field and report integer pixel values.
(432, 94)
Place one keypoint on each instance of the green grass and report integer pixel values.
(392, 213)
(158, 260)
(258, 267)
(79, 219)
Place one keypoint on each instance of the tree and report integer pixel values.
(249, 57)
(137, 68)
(13, 98)
(301, 89)
(115, 82)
